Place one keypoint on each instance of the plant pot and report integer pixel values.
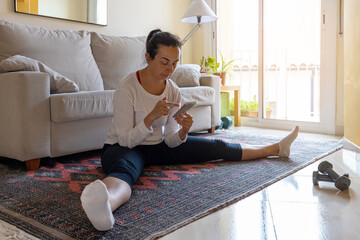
(268, 113)
(254, 113)
(222, 77)
(249, 113)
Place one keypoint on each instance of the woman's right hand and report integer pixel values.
(162, 108)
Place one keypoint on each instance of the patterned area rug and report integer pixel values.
(46, 202)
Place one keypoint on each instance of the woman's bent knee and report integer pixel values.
(122, 163)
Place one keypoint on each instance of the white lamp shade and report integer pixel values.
(199, 8)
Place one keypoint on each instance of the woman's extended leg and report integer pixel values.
(197, 149)
(255, 153)
(281, 149)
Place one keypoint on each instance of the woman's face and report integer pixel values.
(164, 63)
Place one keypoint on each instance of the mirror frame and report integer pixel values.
(67, 19)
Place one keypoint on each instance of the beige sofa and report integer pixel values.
(56, 90)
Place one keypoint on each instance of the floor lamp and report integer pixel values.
(198, 12)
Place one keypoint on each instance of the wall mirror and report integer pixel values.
(88, 11)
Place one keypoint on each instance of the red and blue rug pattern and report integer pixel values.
(46, 202)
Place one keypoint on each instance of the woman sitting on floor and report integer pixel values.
(144, 132)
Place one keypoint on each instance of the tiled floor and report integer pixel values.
(292, 208)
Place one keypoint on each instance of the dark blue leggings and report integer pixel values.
(127, 164)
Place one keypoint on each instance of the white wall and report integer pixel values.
(125, 18)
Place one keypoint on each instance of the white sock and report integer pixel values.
(285, 143)
(95, 202)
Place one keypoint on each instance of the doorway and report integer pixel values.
(285, 53)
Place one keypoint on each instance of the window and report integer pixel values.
(285, 53)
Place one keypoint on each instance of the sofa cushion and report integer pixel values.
(81, 105)
(58, 83)
(202, 95)
(66, 52)
(187, 75)
(117, 57)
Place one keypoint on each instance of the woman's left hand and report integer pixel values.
(185, 120)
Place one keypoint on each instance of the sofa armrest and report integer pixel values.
(214, 82)
(24, 115)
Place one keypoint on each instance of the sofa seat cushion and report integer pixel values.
(203, 95)
(64, 51)
(81, 105)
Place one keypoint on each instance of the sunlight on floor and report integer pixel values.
(292, 208)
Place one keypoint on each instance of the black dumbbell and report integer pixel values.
(341, 182)
(317, 177)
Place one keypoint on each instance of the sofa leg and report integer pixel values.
(211, 130)
(32, 165)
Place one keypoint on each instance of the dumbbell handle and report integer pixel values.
(332, 174)
(324, 178)
(327, 178)
(326, 168)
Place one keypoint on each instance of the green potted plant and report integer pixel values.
(210, 65)
(226, 67)
(250, 108)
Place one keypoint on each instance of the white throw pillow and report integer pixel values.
(187, 75)
(117, 57)
(58, 83)
(66, 52)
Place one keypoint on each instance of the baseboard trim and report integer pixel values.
(347, 144)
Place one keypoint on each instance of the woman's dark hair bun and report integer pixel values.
(152, 33)
(157, 37)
